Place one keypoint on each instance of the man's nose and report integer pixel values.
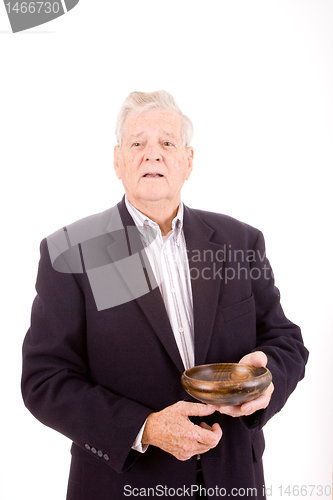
(152, 155)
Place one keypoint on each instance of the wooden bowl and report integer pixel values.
(226, 383)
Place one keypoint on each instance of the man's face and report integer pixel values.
(152, 161)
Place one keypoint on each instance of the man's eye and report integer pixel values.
(167, 143)
(136, 144)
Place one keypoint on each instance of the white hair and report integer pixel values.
(144, 101)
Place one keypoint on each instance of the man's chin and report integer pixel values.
(153, 196)
(152, 199)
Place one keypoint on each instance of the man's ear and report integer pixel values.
(116, 152)
(190, 153)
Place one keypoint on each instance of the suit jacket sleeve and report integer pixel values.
(56, 385)
(277, 337)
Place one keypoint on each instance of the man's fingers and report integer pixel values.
(217, 429)
(195, 409)
(206, 435)
(201, 439)
(172, 430)
(259, 403)
(250, 407)
(205, 426)
(257, 358)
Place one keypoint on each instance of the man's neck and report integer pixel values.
(162, 214)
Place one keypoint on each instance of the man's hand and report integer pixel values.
(172, 431)
(257, 358)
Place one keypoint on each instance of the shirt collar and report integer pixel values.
(142, 220)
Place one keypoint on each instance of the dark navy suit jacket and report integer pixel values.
(95, 372)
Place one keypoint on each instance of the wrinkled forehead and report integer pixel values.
(153, 121)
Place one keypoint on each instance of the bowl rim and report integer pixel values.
(224, 383)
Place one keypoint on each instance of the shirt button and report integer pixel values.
(94, 450)
(87, 447)
(106, 457)
(100, 453)
(180, 330)
(172, 290)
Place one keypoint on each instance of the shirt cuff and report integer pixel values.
(137, 445)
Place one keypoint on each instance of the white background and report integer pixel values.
(256, 78)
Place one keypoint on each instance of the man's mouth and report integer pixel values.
(153, 175)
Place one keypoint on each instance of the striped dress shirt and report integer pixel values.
(168, 259)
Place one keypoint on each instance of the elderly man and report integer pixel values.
(128, 299)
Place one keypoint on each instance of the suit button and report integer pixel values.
(100, 453)
(87, 447)
(106, 457)
(94, 450)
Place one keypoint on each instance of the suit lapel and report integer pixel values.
(153, 307)
(205, 272)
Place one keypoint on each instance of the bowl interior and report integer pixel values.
(228, 373)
